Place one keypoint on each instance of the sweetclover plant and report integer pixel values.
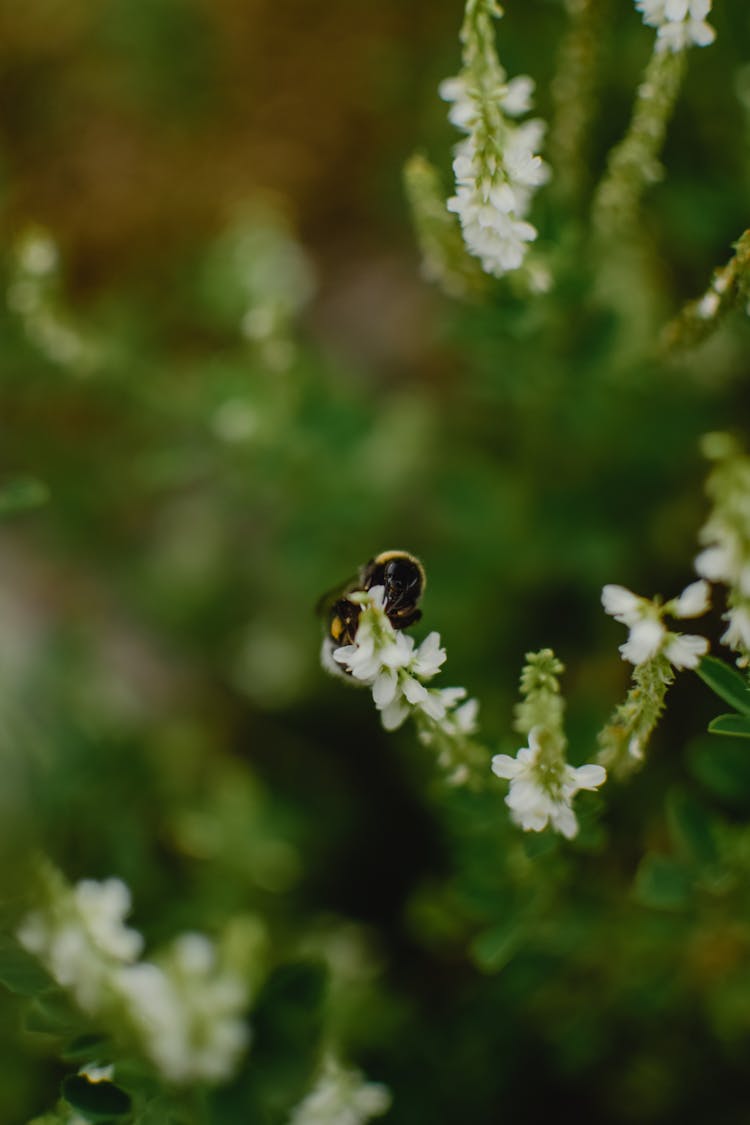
(232, 1020)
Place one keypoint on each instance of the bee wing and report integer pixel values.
(327, 600)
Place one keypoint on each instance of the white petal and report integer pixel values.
(685, 650)
(564, 821)
(433, 706)
(466, 716)
(429, 657)
(622, 604)
(531, 820)
(699, 9)
(535, 744)
(450, 696)
(643, 642)
(701, 33)
(413, 690)
(517, 97)
(738, 633)
(693, 601)
(384, 689)
(525, 795)
(716, 564)
(394, 714)
(589, 776)
(505, 766)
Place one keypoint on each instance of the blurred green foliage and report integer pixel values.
(238, 424)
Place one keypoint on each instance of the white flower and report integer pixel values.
(390, 663)
(649, 636)
(679, 23)
(518, 94)
(341, 1096)
(737, 636)
(719, 562)
(541, 792)
(187, 1011)
(694, 600)
(80, 937)
(102, 908)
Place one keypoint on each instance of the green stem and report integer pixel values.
(633, 164)
(574, 95)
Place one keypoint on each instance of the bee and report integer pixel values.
(403, 580)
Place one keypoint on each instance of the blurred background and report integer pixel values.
(226, 385)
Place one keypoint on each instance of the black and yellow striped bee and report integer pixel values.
(403, 580)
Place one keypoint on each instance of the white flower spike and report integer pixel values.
(496, 167)
(542, 792)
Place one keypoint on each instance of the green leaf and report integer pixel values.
(19, 971)
(662, 882)
(97, 1101)
(691, 826)
(52, 1014)
(86, 1048)
(723, 766)
(22, 494)
(495, 947)
(738, 726)
(726, 682)
(288, 1022)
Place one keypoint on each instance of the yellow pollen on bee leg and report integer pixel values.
(337, 628)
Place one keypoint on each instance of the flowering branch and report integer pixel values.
(655, 651)
(387, 661)
(542, 784)
(729, 284)
(184, 1010)
(341, 1096)
(496, 168)
(726, 535)
(634, 163)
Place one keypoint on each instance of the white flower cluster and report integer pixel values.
(496, 166)
(388, 661)
(543, 785)
(679, 23)
(341, 1096)
(81, 937)
(649, 636)
(186, 1012)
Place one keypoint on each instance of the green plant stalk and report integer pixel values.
(633, 164)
